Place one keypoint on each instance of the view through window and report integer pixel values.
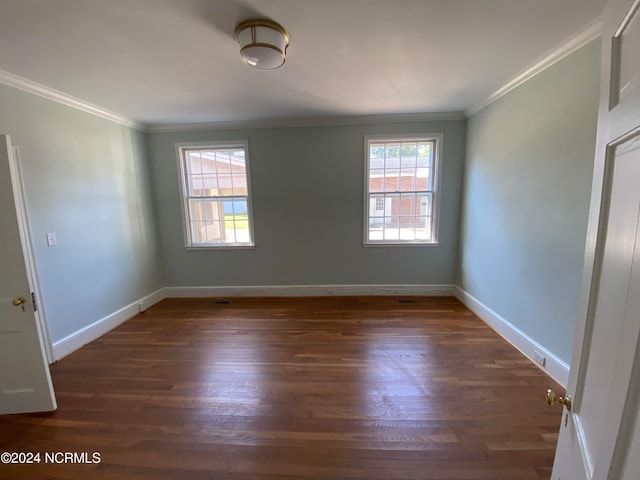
(401, 190)
(216, 195)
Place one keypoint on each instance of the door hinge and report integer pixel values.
(33, 301)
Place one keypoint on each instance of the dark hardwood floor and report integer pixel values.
(335, 388)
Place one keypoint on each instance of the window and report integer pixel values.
(216, 194)
(401, 190)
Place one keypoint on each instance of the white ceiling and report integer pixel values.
(176, 61)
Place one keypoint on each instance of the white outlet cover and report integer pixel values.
(539, 358)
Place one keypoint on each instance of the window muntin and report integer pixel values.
(215, 187)
(401, 190)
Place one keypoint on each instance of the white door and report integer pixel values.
(600, 434)
(25, 383)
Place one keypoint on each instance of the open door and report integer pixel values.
(600, 428)
(25, 382)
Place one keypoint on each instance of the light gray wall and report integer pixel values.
(308, 188)
(527, 185)
(86, 179)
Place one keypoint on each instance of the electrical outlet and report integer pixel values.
(539, 358)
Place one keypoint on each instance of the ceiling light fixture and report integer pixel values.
(263, 43)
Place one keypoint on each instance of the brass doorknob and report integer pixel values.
(18, 301)
(553, 398)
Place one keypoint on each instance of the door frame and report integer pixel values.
(27, 249)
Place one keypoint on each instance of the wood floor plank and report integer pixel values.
(341, 388)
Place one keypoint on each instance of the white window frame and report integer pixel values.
(214, 145)
(438, 138)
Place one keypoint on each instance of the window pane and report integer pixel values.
(392, 150)
(193, 163)
(408, 164)
(222, 162)
(424, 204)
(236, 220)
(241, 215)
(424, 149)
(407, 222)
(423, 228)
(391, 181)
(408, 180)
(207, 232)
(205, 210)
(224, 185)
(392, 162)
(376, 228)
(376, 180)
(376, 206)
(408, 204)
(409, 150)
(239, 184)
(238, 162)
(210, 183)
(196, 186)
(423, 180)
(205, 164)
(391, 229)
(392, 205)
(407, 228)
(239, 169)
(376, 150)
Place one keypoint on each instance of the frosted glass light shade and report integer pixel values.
(263, 43)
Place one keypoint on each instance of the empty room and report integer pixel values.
(337, 240)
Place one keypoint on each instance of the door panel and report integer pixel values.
(25, 383)
(613, 297)
(597, 437)
(625, 68)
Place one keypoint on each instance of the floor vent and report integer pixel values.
(406, 300)
(222, 302)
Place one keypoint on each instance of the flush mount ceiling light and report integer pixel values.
(263, 43)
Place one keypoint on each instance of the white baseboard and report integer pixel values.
(554, 366)
(308, 290)
(87, 334)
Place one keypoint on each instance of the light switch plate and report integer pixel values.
(51, 239)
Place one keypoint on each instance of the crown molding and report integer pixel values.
(15, 81)
(307, 122)
(580, 39)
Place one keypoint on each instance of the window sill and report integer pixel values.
(400, 244)
(219, 247)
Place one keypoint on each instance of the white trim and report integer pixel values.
(580, 39)
(15, 81)
(80, 338)
(554, 366)
(308, 291)
(408, 243)
(307, 122)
